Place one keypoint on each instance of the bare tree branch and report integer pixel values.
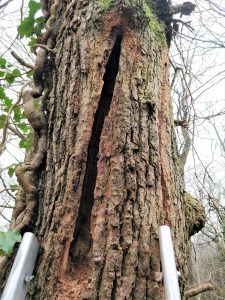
(5, 4)
(21, 61)
(198, 290)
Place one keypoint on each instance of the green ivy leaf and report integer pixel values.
(39, 25)
(16, 72)
(7, 241)
(14, 187)
(40, 21)
(17, 114)
(23, 116)
(2, 63)
(8, 103)
(2, 74)
(25, 143)
(11, 171)
(2, 121)
(2, 93)
(31, 43)
(9, 78)
(24, 126)
(29, 74)
(33, 7)
(26, 27)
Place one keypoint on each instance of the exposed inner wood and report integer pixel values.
(82, 234)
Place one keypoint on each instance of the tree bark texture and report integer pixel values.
(111, 175)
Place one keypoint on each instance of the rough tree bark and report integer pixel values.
(111, 176)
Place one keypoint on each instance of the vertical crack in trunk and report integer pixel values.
(82, 235)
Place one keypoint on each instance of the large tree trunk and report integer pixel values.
(111, 175)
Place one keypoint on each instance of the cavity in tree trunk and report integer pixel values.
(111, 175)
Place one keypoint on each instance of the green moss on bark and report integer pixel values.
(157, 28)
(194, 213)
(104, 4)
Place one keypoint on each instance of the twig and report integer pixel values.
(7, 206)
(21, 61)
(6, 188)
(5, 4)
(1, 214)
(198, 290)
(45, 47)
(15, 131)
(187, 24)
(177, 70)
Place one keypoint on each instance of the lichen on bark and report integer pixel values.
(104, 4)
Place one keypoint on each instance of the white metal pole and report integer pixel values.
(169, 271)
(22, 269)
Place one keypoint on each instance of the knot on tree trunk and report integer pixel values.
(194, 214)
